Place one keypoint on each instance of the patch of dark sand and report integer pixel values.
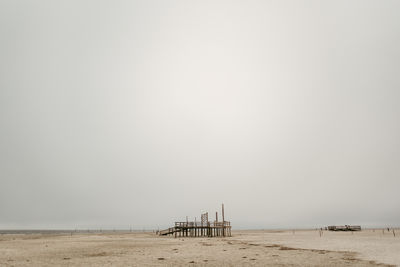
(272, 246)
(100, 254)
(287, 248)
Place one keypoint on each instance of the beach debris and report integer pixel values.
(344, 228)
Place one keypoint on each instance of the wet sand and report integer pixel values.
(244, 248)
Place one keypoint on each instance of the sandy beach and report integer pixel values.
(164, 132)
(244, 248)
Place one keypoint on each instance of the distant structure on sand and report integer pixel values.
(345, 228)
(204, 228)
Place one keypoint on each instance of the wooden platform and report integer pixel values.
(191, 229)
(204, 228)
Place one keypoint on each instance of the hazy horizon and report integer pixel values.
(140, 113)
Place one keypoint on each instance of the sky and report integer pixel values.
(119, 114)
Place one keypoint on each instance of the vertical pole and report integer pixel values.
(207, 225)
(215, 224)
(223, 220)
(187, 226)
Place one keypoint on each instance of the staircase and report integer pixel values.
(169, 231)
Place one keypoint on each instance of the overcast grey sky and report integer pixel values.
(138, 113)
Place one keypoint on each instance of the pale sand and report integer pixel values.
(245, 248)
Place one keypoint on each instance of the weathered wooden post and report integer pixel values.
(223, 220)
(216, 224)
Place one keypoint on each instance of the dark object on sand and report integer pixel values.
(344, 228)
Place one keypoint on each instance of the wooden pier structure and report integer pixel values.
(204, 228)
